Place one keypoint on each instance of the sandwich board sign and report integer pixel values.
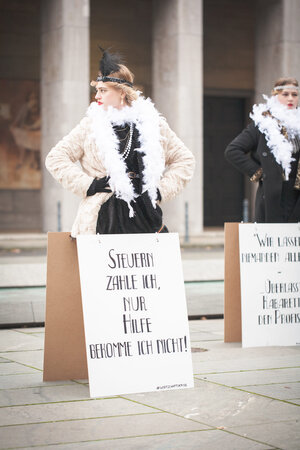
(270, 284)
(135, 315)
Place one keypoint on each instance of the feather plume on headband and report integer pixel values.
(110, 63)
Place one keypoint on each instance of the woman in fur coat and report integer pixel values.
(268, 152)
(130, 159)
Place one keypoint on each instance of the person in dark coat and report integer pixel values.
(267, 150)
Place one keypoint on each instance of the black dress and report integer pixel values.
(113, 216)
(290, 196)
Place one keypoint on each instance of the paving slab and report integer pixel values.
(22, 295)
(32, 330)
(287, 434)
(63, 391)
(12, 313)
(93, 429)
(204, 364)
(25, 269)
(26, 305)
(82, 381)
(234, 407)
(202, 333)
(85, 409)
(206, 330)
(196, 440)
(20, 273)
(240, 359)
(208, 325)
(3, 360)
(39, 311)
(10, 341)
(254, 377)
(285, 391)
(209, 416)
(204, 336)
(206, 298)
(203, 270)
(235, 350)
(23, 380)
(22, 305)
(30, 358)
(13, 369)
(23, 240)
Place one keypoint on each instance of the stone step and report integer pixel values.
(39, 240)
(22, 271)
(27, 305)
(31, 271)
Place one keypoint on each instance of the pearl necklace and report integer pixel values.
(129, 142)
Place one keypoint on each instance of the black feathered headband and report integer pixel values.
(110, 63)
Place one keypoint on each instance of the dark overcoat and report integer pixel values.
(249, 152)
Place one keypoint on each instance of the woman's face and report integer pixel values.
(108, 96)
(288, 97)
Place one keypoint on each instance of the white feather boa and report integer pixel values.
(146, 119)
(280, 147)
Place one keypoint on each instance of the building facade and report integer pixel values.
(203, 62)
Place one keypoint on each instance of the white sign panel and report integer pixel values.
(270, 284)
(135, 315)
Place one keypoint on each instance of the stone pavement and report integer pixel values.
(19, 306)
(243, 399)
(23, 276)
(23, 259)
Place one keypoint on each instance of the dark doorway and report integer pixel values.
(223, 184)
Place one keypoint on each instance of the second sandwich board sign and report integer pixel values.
(270, 284)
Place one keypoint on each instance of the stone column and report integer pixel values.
(64, 93)
(277, 43)
(178, 93)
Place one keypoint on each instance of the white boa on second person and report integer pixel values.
(146, 119)
(271, 126)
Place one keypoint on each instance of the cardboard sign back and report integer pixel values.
(232, 285)
(64, 354)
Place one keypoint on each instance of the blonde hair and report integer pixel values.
(284, 81)
(124, 73)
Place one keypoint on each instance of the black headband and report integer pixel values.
(115, 80)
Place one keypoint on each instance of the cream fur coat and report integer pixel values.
(169, 165)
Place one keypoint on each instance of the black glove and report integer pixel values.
(98, 185)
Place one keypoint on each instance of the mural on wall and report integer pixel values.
(20, 135)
